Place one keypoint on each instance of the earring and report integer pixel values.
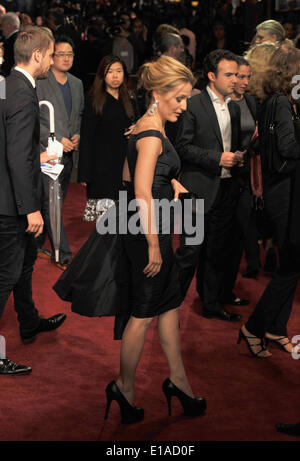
(152, 109)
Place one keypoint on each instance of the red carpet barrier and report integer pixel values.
(64, 397)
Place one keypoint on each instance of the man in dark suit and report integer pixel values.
(10, 25)
(20, 217)
(65, 92)
(207, 139)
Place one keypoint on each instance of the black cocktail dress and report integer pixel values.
(106, 276)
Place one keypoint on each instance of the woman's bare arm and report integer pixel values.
(148, 151)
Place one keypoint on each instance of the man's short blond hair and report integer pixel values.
(30, 39)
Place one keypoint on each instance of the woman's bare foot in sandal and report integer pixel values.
(255, 344)
(282, 341)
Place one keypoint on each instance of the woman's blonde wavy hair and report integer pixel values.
(164, 75)
(283, 66)
(258, 57)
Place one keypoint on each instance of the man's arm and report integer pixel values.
(189, 152)
(76, 136)
(20, 125)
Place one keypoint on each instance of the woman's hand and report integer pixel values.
(255, 135)
(129, 130)
(154, 265)
(178, 188)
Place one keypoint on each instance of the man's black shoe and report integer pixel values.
(7, 367)
(239, 302)
(234, 300)
(221, 314)
(45, 325)
(289, 429)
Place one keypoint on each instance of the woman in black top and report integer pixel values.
(108, 112)
(279, 164)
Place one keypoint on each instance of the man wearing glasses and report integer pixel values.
(65, 92)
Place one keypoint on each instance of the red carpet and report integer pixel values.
(64, 397)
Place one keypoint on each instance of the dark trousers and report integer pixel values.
(64, 178)
(215, 257)
(211, 257)
(273, 310)
(245, 237)
(186, 255)
(18, 252)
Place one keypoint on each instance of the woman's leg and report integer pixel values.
(132, 345)
(169, 334)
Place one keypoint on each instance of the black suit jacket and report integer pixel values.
(9, 58)
(199, 145)
(20, 174)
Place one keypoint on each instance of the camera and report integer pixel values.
(114, 25)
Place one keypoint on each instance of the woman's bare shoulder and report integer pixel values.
(145, 124)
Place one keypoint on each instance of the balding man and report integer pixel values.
(171, 45)
(10, 24)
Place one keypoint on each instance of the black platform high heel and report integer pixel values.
(129, 413)
(191, 406)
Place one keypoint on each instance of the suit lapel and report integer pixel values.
(18, 74)
(58, 95)
(210, 110)
(234, 125)
(73, 96)
(251, 105)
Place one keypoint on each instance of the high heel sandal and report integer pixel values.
(191, 406)
(278, 343)
(260, 344)
(129, 413)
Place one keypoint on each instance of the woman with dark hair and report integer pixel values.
(280, 155)
(108, 112)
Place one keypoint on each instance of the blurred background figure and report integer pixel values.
(220, 38)
(160, 31)
(2, 10)
(25, 19)
(171, 45)
(26, 6)
(10, 25)
(90, 53)
(269, 31)
(1, 56)
(289, 28)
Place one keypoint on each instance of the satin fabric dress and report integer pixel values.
(106, 276)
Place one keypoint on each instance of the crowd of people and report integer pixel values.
(142, 120)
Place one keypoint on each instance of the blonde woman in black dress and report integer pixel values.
(151, 168)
